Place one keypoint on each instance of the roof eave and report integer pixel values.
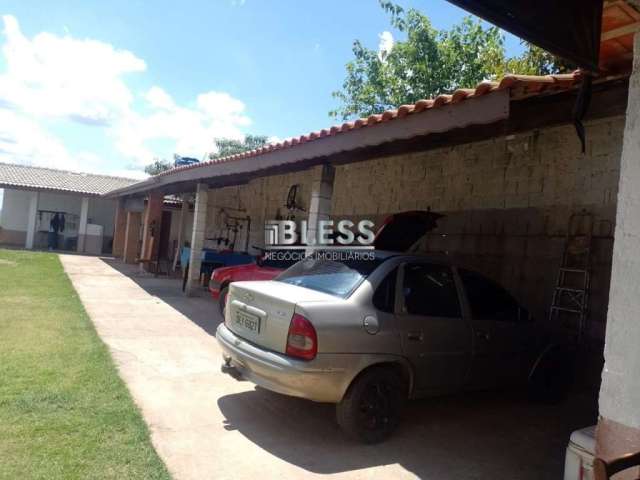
(34, 188)
(479, 110)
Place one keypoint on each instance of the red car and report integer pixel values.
(398, 233)
(261, 270)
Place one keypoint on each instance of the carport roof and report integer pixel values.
(39, 178)
(519, 85)
(351, 135)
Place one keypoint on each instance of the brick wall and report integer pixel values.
(507, 201)
(261, 199)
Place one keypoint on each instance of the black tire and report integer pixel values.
(371, 409)
(222, 300)
(552, 375)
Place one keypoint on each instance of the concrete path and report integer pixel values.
(205, 425)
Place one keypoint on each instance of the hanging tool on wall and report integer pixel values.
(292, 204)
(232, 225)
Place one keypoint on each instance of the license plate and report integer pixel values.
(248, 321)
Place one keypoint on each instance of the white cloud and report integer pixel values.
(135, 174)
(158, 98)
(385, 45)
(23, 141)
(65, 77)
(50, 77)
(216, 114)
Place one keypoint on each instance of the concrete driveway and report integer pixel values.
(205, 425)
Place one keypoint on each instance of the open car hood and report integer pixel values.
(401, 230)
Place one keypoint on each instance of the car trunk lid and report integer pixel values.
(401, 230)
(261, 311)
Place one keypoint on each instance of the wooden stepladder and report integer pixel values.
(570, 303)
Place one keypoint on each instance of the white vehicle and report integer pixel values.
(366, 335)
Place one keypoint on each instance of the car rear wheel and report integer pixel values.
(552, 376)
(222, 300)
(371, 409)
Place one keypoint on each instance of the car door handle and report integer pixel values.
(483, 334)
(415, 336)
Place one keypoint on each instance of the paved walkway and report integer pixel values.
(205, 425)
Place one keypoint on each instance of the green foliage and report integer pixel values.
(429, 62)
(228, 146)
(159, 165)
(64, 411)
(536, 61)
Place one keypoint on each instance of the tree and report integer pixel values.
(536, 61)
(429, 62)
(228, 146)
(159, 165)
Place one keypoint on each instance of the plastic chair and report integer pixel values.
(605, 470)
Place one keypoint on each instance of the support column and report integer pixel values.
(184, 211)
(32, 218)
(131, 237)
(151, 226)
(320, 202)
(82, 229)
(119, 228)
(619, 423)
(197, 238)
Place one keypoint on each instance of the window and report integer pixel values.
(384, 298)
(488, 301)
(335, 278)
(430, 290)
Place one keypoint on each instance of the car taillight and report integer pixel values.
(302, 341)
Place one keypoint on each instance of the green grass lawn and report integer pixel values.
(64, 412)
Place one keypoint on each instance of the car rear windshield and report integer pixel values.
(327, 276)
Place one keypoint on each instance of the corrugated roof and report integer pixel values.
(24, 176)
(519, 86)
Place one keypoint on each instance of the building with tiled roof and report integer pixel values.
(503, 162)
(49, 179)
(57, 209)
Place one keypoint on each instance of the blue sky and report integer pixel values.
(107, 86)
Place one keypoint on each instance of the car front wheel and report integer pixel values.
(371, 409)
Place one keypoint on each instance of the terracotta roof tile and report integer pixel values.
(519, 86)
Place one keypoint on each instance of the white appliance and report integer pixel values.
(93, 239)
(578, 461)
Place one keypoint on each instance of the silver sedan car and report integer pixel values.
(369, 334)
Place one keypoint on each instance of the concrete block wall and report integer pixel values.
(198, 236)
(261, 199)
(507, 201)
